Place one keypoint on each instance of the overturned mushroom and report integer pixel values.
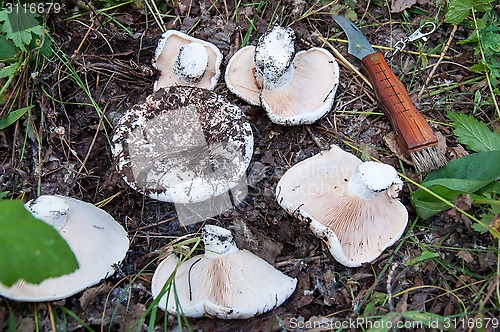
(185, 60)
(353, 204)
(225, 282)
(96, 239)
(183, 145)
(292, 88)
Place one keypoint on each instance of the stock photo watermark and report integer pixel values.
(21, 14)
(361, 323)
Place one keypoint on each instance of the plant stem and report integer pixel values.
(480, 44)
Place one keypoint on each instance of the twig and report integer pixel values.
(75, 53)
(51, 316)
(99, 126)
(151, 225)
(441, 58)
(389, 285)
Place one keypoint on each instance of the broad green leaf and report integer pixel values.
(458, 10)
(473, 133)
(482, 166)
(18, 26)
(31, 249)
(428, 205)
(13, 117)
(7, 48)
(459, 185)
(3, 194)
(465, 175)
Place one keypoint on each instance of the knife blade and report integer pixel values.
(413, 133)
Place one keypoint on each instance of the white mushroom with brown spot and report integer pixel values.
(183, 145)
(294, 88)
(96, 239)
(225, 282)
(185, 60)
(353, 204)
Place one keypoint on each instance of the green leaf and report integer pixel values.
(481, 166)
(13, 117)
(45, 48)
(424, 256)
(386, 322)
(473, 133)
(18, 26)
(458, 10)
(7, 49)
(9, 70)
(3, 194)
(482, 6)
(479, 227)
(490, 38)
(427, 319)
(31, 249)
(465, 175)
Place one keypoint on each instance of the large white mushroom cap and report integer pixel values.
(96, 239)
(185, 60)
(298, 91)
(352, 204)
(225, 282)
(183, 145)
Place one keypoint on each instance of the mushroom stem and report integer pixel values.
(370, 179)
(274, 56)
(191, 62)
(50, 209)
(218, 242)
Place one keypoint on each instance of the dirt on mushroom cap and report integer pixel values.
(183, 137)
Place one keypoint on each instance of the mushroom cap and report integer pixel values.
(98, 243)
(358, 229)
(308, 96)
(183, 145)
(310, 93)
(240, 76)
(235, 285)
(166, 53)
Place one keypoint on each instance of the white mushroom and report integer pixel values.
(292, 88)
(185, 60)
(353, 204)
(183, 145)
(96, 239)
(225, 282)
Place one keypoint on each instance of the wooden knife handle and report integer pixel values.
(412, 131)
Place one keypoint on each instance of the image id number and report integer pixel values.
(34, 8)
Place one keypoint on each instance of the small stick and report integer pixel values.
(75, 53)
(441, 58)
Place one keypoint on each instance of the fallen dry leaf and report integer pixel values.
(398, 6)
(390, 141)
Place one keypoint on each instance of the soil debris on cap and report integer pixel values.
(183, 145)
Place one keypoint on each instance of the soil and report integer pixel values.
(67, 152)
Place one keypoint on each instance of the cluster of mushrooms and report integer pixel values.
(186, 144)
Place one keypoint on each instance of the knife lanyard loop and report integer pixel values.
(421, 33)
